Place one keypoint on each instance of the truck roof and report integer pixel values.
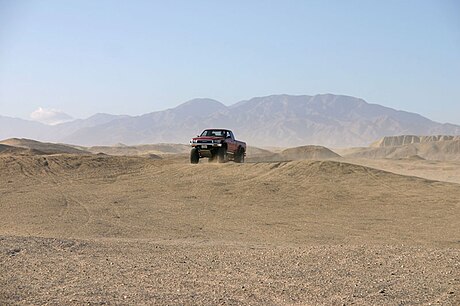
(217, 129)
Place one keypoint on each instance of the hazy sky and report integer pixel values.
(134, 57)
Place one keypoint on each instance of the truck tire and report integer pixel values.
(194, 156)
(222, 155)
(239, 156)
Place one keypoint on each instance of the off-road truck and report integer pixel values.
(217, 144)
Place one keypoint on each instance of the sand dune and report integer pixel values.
(290, 227)
(166, 149)
(131, 230)
(138, 185)
(309, 152)
(446, 171)
(441, 148)
(393, 141)
(287, 195)
(296, 153)
(157, 149)
(254, 154)
(255, 151)
(448, 150)
(43, 147)
(5, 149)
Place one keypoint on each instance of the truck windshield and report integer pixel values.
(214, 133)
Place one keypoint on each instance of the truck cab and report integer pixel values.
(217, 144)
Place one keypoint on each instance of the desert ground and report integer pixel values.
(85, 228)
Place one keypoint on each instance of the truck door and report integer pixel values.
(231, 143)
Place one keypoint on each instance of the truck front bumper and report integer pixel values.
(205, 146)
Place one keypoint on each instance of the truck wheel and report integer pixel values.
(222, 155)
(194, 156)
(239, 157)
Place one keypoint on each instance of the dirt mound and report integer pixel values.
(152, 156)
(415, 157)
(309, 152)
(11, 150)
(255, 154)
(392, 141)
(81, 196)
(168, 232)
(443, 150)
(42, 147)
(255, 151)
(5, 149)
(71, 165)
(157, 149)
(297, 153)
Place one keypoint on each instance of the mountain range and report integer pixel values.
(277, 120)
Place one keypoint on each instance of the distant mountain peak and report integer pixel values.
(50, 116)
(199, 107)
(201, 102)
(277, 120)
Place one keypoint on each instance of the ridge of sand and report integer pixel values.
(6, 149)
(443, 150)
(101, 229)
(12, 150)
(401, 140)
(162, 149)
(309, 152)
(43, 147)
(282, 193)
(157, 149)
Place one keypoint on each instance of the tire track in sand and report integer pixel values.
(67, 199)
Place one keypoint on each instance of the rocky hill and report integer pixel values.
(441, 147)
(41, 147)
(392, 141)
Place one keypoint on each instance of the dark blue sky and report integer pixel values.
(134, 57)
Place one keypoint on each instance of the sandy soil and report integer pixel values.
(129, 230)
(447, 171)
